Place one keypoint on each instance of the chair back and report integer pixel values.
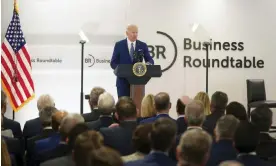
(255, 90)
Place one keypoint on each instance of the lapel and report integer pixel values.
(137, 46)
(126, 49)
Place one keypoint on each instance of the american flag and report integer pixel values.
(16, 68)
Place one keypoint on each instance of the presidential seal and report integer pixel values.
(139, 69)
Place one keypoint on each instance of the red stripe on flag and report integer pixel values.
(9, 73)
(9, 90)
(27, 55)
(27, 74)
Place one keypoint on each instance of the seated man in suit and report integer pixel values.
(45, 116)
(246, 142)
(93, 103)
(223, 148)
(66, 129)
(162, 106)
(8, 123)
(120, 137)
(262, 117)
(180, 109)
(52, 141)
(63, 155)
(34, 127)
(194, 148)
(162, 138)
(106, 105)
(219, 102)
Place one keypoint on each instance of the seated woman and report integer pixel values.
(147, 108)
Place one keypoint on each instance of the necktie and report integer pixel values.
(131, 51)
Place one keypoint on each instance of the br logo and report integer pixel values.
(159, 51)
(90, 60)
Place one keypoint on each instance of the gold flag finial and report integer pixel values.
(16, 6)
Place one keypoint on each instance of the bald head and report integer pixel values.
(230, 163)
(162, 102)
(132, 32)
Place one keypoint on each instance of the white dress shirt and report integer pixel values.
(129, 45)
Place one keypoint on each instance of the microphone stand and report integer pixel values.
(82, 42)
(207, 44)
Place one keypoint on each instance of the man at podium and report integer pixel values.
(125, 52)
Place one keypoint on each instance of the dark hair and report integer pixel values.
(262, 117)
(236, 109)
(75, 131)
(104, 156)
(85, 142)
(3, 99)
(162, 101)
(219, 100)
(140, 138)
(125, 108)
(163, 133)
(180, 107)
(246, 138)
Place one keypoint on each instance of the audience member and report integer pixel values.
(204, 98)
(261, 117)
(106, 104)
(194, 148)
(63, 156)
(141, 143)
(147, 107)
(195, 115)
(8, 124)
(223, 148)
(238, 110)
(93, 103)
(219, 102)
(5, 156)
(120, 137)
(162, 138)
(53, 140)
(162, 106)
(34, 127)
(246, 142)
(104, 156)
(5, 132)
(45, 117)
(230, 163)
(180, 109)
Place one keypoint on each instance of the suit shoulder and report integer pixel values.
(148, 120)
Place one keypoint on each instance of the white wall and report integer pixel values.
(51, 30)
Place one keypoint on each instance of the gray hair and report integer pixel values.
(194, 113)
(194, 146)
(94, 95)
(106, 103)
(45, 115)
(226, 126)
(230, 163)
(45, 100)
(69, 121)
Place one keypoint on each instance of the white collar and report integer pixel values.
(129, 44)
(181, 116)
(194, 127)
(49, 127)
(160, 152)
(244, 154)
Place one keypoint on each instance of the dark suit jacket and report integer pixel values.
(61, 161)
(121, 56)
(252, 160)
(120, 137)
(153, 159)
(211, 121)
(103, 121)
(267, 146)
(91, 116)
(32, 128)
(60, 151)
(14, 126)
(16, 150)
(221, 151)
(181, 125)
(153, 119)
(47, 143)
(46, 133)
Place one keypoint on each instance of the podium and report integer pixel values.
(137, 83)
